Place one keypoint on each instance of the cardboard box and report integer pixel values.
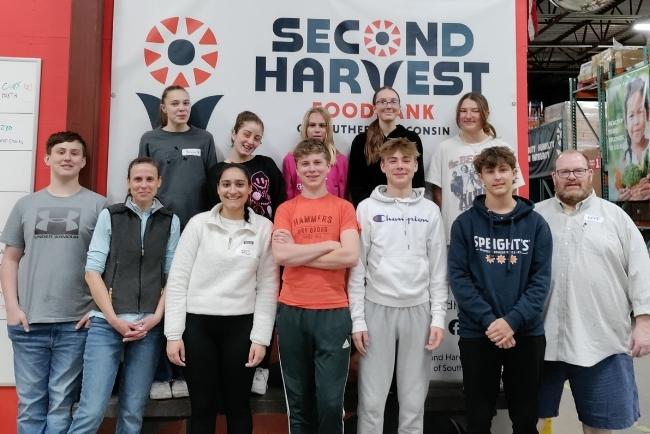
(586, 140)
(586, 72)
(623, 57)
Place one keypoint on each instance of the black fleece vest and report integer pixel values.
(134, 272)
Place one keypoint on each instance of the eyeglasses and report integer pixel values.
(385, 102)
(578, 173)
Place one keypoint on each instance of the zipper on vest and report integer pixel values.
(162, 277)
(140, 277)
(142, 240)
(110, 289)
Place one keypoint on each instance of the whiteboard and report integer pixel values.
(19, 84)
(17, 132)
(20, 80)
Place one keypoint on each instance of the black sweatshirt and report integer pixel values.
(268, 185)
(363, 178)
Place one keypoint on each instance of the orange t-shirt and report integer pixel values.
(312, 221)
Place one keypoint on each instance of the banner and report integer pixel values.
(287, 56)
(280, 58)
(628, 136)
(544, 145)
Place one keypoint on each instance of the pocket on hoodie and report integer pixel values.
(402, 271)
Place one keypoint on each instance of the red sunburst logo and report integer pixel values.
(181, 51)
(382, 38)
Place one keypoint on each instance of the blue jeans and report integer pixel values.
(47, 364)
(104, 347)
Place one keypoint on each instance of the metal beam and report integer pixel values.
(577, 17)
(584, 22)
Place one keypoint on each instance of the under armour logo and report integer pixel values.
(55, 221)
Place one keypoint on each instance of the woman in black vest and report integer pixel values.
(128, 260)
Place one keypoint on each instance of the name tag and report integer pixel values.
(593, 219)
(247, 249)
(191, 152)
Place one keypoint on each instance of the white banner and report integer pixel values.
(279, 58)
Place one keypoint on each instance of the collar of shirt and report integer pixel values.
(132, 205)
(585, 203)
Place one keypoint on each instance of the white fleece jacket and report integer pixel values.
(403, 257)
(219, 272)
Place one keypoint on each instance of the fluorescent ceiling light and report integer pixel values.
(642, 26)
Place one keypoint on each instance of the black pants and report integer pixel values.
(522, 368)
(315, 356)
(216, 349)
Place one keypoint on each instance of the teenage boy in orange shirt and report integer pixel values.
(316, 239)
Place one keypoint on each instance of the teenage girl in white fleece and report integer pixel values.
(220, 304)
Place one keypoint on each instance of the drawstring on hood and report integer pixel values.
(405, 252)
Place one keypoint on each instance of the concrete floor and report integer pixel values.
(567, 422)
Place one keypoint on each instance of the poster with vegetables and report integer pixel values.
(628, 136)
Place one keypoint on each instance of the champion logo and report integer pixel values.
(181, 51)
(382, 218)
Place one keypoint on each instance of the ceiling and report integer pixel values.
(567, 39)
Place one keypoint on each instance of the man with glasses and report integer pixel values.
(601, 271)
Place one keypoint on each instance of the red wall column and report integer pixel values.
(37, 28)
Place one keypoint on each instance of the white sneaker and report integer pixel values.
(260, 381)
(179, 389)
(160, 390)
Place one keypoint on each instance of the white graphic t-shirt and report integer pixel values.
(452, 170)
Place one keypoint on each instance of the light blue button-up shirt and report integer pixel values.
(100, 245)
(601, 272)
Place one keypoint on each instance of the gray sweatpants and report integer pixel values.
(391, 329)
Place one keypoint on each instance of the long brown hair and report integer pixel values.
(163, 115)
(374, 134)
(483, 109)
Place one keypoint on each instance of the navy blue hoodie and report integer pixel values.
(500, 267)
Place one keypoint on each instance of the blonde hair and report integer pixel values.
(329, 133)
(310, 146)
(405, 146)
